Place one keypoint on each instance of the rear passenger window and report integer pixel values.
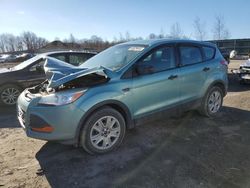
(190, 55)
(209, 53)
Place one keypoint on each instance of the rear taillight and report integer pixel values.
(224, 62)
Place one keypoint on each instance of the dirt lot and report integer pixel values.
(188, 151)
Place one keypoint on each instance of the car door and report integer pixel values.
(155, 84)
(192, 73)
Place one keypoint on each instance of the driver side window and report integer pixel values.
(158, 60)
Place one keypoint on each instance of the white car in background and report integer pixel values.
(2, 58)
(243, 72)
(11, 58)
(7, 58)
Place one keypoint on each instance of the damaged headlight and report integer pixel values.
(57, 99)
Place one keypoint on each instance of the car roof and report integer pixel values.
(153, 42)
(72, 52)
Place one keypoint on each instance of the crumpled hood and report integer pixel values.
(246, 64)
(59, 72)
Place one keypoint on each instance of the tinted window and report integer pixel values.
(208, 52)
(59, 56)
(78, 59)
(27, 63)
(160, 59)
(39, 64)
(190, 55)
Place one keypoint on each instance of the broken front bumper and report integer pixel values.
(243, 73)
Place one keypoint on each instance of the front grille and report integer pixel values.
(21, 115)
(245, 69)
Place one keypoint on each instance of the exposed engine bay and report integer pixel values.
(62, 76)
(86, 81)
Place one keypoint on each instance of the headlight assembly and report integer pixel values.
(61, 98)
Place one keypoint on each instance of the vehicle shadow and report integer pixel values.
(7, 110)
(8, 117)
(165, 153)
(234, 84)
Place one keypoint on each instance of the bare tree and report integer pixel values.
(176, 31)
(8, 42)
(220, 31)
(152, 36)
(40, 42)
(11, 42)
(200, 29)
(95, 39)
(31, 42)
(19, 44)
(127, 36)
(121, 38)
(72, 39)
(138, 38)
(28, 38)
(162, 33)
(3, 41)
(115, 39)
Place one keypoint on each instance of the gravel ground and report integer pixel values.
(187, 151)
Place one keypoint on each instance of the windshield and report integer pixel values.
(115, 58)
(27, 63)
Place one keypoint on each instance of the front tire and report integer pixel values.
(9, 94)
(212, 102)
(103, 131)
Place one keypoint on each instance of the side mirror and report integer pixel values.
(144, 69)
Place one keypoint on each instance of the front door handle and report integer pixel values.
(206, 69)
(172, 77)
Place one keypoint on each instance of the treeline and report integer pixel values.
(29, 41)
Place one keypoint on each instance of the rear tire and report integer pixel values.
(212, 102)
(9, 94)
(103, 131)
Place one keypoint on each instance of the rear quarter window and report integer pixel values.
(59, 56)
(190, 55)
(78, 59)
(209, 53)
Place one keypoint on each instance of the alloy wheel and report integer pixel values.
(9, 96)
(105, 132)
(214, 101)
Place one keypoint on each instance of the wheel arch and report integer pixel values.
(12, 83)
(117, 105)
(219, 84)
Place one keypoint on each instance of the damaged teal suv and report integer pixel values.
(93, 105)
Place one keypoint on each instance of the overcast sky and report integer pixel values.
(106, 18)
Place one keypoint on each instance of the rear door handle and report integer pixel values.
(126, 89)
(206, 69)
(172, 77)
